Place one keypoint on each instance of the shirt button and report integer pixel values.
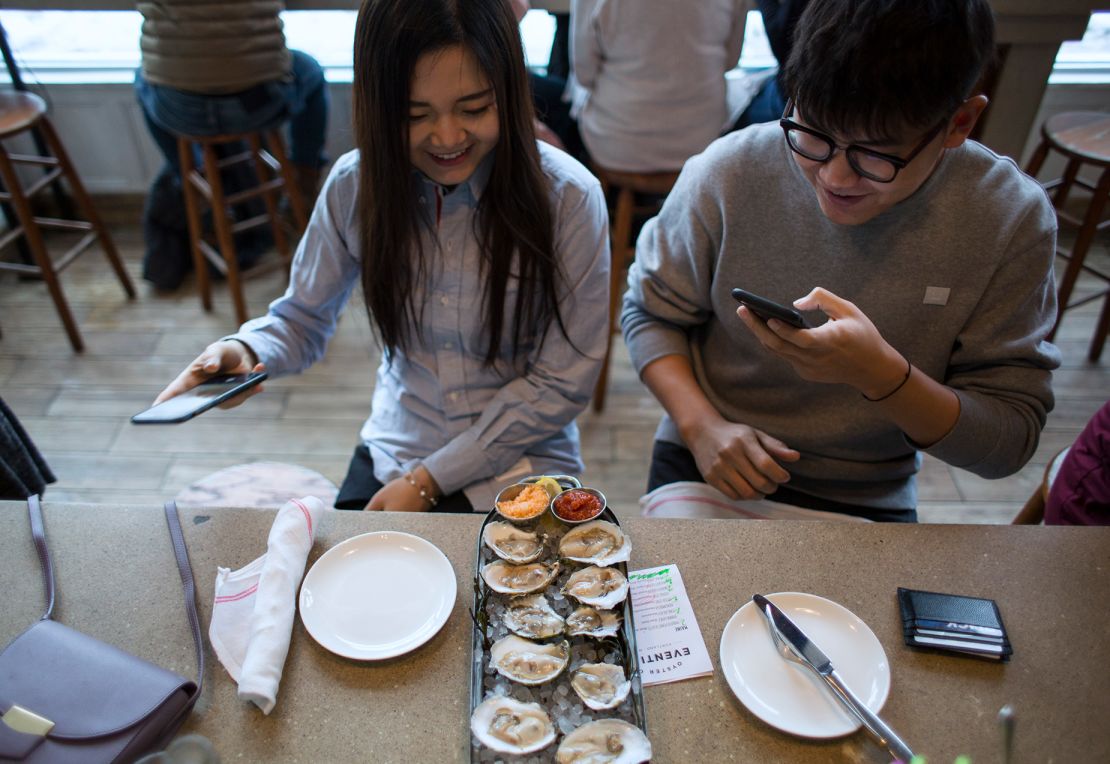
(443, 301)
(422, 200)
(453, 397)
(448, 345)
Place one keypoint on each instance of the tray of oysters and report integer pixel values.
(555, 670)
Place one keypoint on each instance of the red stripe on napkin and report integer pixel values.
(307, 515)
(241, 595)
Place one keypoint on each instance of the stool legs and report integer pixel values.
(1083, 239)
(192, 215)
(77, 188)
(620, 258)
(270, 197)
(205, 185)
(224, 236)
(31, 232)
(1101, 331)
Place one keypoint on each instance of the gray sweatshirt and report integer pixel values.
(958, 278)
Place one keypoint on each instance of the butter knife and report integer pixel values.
(801, 649)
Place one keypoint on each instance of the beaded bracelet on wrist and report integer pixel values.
(432, 500)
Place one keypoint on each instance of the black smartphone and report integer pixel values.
(204, 396)
(766, 309)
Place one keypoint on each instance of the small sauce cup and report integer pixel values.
(510, 505)
(578, 505)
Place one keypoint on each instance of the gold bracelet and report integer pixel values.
(905, 379)
(423, 493)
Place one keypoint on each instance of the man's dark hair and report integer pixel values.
(879, 68)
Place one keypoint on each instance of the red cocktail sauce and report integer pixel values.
(577, 505)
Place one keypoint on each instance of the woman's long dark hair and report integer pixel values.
(515, 225)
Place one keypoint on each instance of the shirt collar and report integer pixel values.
(474, 186)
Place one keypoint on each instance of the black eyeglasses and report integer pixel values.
(873, 165)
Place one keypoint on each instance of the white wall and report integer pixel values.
(103, 129)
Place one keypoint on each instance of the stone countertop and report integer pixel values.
(117, 581)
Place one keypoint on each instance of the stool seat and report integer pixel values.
(655, 185)
(257, 484)
(18, 111)
(1083, 134)
(1083, 138)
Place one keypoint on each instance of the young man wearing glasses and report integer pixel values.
(930, 256)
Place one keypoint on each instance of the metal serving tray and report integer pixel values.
(625, 639)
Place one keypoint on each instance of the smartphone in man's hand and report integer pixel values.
(767, 309)
(211, 392)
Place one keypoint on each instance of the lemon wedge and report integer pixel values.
(551, 485)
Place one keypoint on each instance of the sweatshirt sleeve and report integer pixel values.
(1001, 364)
(670, 281)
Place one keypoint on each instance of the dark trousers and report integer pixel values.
(360, 485)
(672, 463)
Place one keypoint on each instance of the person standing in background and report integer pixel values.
(649, 78)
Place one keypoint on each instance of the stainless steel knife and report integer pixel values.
(801, 649)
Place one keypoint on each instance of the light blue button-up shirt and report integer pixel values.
(474, 427)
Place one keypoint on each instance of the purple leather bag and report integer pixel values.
(67, 697)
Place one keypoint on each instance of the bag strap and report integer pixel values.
(180, 551)
(39, 534)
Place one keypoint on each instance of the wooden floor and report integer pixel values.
(76, 407)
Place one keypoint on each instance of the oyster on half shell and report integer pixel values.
(598, 542)
(528, 662)
(601, 587)
(532, 616)
(600, 685)
(507, 725)
(506, 578)
(587, 621)
(606, 740)
(512, 543)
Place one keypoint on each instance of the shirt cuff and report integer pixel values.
(459, 463)
(963, 445)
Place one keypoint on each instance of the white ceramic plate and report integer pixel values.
(788, 695)
(378, 595)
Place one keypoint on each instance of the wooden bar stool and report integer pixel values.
(626, 185)
(265, 151)
(1083, 138)
(21, 112)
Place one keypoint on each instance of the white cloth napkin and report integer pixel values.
(703, 501)
(252, 616)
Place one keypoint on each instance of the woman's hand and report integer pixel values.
(223, 357)
(847, 349)
(740, 461)
(400, 495)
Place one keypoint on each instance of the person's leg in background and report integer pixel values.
(767, 105)
(307, 102)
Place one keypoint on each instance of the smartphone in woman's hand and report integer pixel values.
(209, 393)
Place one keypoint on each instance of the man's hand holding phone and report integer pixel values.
(846, 349)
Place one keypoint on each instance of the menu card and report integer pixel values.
(668, 639)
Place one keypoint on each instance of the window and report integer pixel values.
(57, 46)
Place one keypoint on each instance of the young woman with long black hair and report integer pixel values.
(483, 258)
